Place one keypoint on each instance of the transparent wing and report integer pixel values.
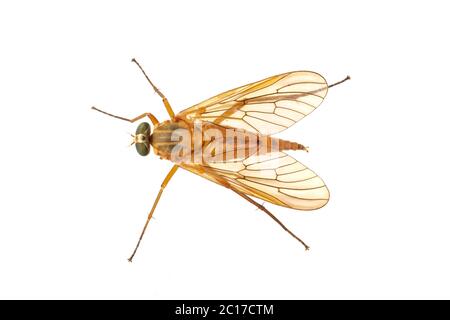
(267, 106)
(276, 177)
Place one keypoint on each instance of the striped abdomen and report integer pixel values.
(212, 142)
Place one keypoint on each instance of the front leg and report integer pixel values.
(146, 114)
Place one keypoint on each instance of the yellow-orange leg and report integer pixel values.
(224, 183)
(164, 99)
(146, 114)
(163, 185)
(261, 207)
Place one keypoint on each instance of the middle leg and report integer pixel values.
(163, 97)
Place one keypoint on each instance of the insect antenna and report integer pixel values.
(134, 139)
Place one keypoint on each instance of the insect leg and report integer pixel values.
(163, 185)
(261, 207)
(146, 114)
(339, 82)
(225, 183)
(164, 99)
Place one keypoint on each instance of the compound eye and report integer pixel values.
(142, 148)
(143, 128)
(142, 144)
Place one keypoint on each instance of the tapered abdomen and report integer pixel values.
(180, 141)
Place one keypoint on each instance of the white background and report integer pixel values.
(74, 197)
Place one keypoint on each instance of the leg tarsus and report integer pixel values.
(163, 185)
(163, 97)
(148, 79)
(339, 82)
(261, 207)
(146, 114)
(223, 182)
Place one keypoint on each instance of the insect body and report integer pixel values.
(211, 137)
(227, 140)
